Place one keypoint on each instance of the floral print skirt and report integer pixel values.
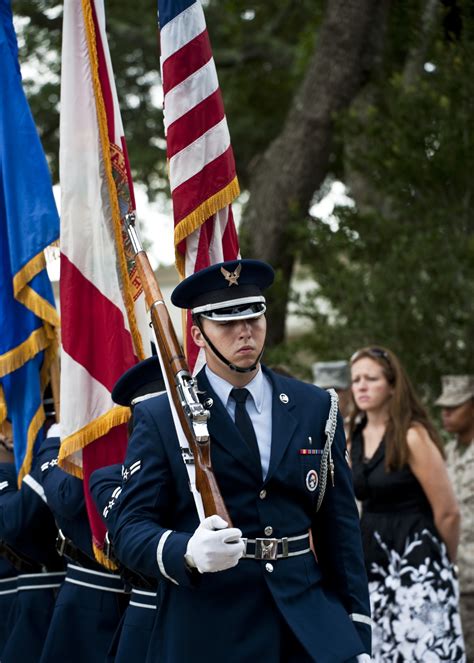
(414, 598)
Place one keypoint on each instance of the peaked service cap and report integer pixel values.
(142, 381)
(226, 291)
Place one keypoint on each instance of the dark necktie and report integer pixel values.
(243, 421)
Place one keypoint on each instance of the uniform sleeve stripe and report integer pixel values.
(363, 619)
(35, 486)
(159, 555)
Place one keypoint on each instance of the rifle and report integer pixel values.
(182, 386)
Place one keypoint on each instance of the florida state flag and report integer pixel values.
(104, 322)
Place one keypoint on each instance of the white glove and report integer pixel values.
(364, 658)
(214, 546)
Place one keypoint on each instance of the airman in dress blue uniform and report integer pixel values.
(27, 528)
(132, 638)
(91, 601)
(255, 591)
(8, 594)
(8, 572)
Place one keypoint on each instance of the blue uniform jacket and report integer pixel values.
(105, 486)
(325, 602)
(27, 525)
(8, 592)
(132, 637)
(91, 601)
(65, 494)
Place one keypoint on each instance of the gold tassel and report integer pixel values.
(102, 559)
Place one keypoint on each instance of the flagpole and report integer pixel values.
(55, 386)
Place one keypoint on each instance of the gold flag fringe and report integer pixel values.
(39, 417)
(27, 296)
(40, 306)
(103, 559)
(33, 267)
(33, 430)
(87, 434)
(3, 406)
(38, 340)
(116, 216)
(198, 216)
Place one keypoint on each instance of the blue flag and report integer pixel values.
(29, 222)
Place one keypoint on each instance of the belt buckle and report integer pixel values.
(266, 548)
(60, 543)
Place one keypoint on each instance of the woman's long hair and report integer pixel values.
(405, 408)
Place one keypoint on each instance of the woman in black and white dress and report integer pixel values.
(410, 518)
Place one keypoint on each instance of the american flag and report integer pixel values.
(201, 164)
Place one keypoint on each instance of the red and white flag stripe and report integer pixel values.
(103, 315)
(202, 173)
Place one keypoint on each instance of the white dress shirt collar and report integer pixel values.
(222, 388)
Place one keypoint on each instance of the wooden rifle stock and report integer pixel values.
(191, 413)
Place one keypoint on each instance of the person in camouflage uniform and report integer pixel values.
(457, 410)
(335, 375)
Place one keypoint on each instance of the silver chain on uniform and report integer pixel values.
(326, 459)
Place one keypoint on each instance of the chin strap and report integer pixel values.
(220, 356)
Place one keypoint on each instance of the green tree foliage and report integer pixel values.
(400, 271)
(266, 40)
(395, 269)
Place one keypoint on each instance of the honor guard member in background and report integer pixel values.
(132, 637)
(91, 600)
(8, 573)
(457, 411)
(8, 594)
(335, 375)
(28, 535)
(254, 591)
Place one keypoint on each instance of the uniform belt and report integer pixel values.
(142, 599)
(108, 582)
(21, 563)
(8, 586)
(66, 548)
(287, 546)
(135, 580)
(46, 580)
(131, 578)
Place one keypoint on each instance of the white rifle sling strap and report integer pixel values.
(326, 459)
(183, 442)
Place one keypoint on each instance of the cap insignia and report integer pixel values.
(232, 277)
